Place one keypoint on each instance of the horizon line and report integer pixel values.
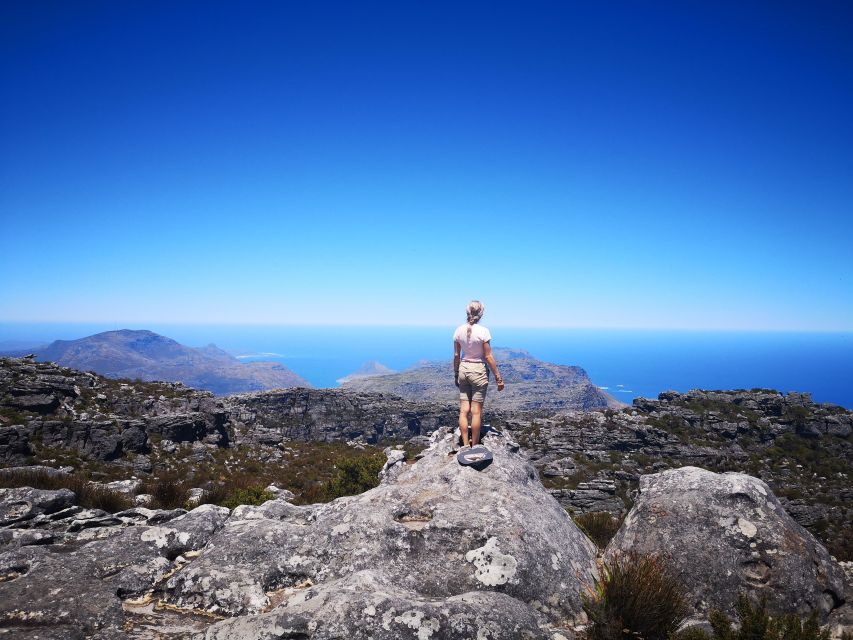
(127, 325)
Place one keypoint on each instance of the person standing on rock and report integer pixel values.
(472, 350)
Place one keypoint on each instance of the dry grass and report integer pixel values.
(600, 526)
(167, 492)
(86, 494)
(637, 596)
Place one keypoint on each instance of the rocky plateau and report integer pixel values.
(743, 490)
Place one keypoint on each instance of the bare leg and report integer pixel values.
(464, 408)
(476, 415)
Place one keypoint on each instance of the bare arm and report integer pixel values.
(457, 348)
(490, 359)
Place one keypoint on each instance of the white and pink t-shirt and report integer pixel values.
(472, 348)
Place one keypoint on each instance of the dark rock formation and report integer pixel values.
(531, 384)
(97, 417)
(332, 414)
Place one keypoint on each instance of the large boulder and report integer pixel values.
(446, 541)
(726, 533)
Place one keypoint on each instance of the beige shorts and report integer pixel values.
(473, 381)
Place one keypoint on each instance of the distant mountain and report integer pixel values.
(149, 356)
(368, 369)
(531, 384)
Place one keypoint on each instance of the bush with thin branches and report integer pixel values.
(167, 492)
(638, 596)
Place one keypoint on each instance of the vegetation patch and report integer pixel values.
(90, 496)
(754, 623)
(637, 596)
(600, 526)
(167, 492)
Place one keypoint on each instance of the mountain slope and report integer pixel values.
(149, 356)
(368, 369)
(531, 384)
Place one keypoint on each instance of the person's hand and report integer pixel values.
(456, 380)
(500, 385)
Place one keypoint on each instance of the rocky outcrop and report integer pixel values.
(732, 413)
(20, 504)
(96, 417)
(364, 606)
(436, 550)
(325, 415)
(589, 497)
(591, 460)
(727, 533)
(531, 385)
(434, 533)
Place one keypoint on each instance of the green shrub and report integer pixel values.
(637, 596)
(692, 633)
(255, 496)
(754, 623)
(600, 527)
(354, 475)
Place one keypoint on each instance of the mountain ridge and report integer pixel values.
(531, 384)
(144, 354)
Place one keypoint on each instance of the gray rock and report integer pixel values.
(40, 403)
(24, 537)
(143, 500)
(726, 533)
(14, 445)
(137, 557)
(280, 494)
(597, 495)
(23, 503)
(562, 468)
(57, 594)
(36, 469)
(272, 417)
(435, 531)
(364, 606)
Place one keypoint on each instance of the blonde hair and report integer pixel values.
(474, 311)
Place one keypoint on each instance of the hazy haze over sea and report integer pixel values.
(627, 363)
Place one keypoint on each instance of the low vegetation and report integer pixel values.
(754, 623)
(167, 492)
(88, 495)
(637, 596)
(600, 527)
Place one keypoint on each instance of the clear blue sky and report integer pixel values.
(638, 164)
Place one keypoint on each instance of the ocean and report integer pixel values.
(627, 364)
